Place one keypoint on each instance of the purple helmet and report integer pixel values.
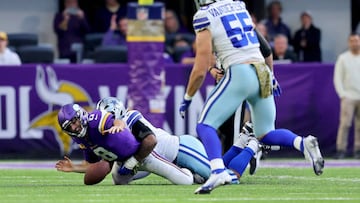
(68, 114)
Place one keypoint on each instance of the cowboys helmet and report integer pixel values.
(112, 105)
(204, 2)
(69, 114)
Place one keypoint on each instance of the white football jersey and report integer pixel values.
(167, 145)
(232, 30)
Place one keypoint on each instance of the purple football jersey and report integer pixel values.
(110, 147)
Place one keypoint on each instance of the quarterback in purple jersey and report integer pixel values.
(102, 137)
(89, 131)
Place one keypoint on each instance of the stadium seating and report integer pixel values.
(17, 40)
(36, 54)
(91, 42)
(178, 52)
(110, 54)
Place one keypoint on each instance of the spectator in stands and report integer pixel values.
(358, 28)
(261, 28)
(306, 40)
(281, 49)
(346, 82)
(104, 14)
(70, 27)
(274, 23)
(188, 57)
(173, 32)
(7, 57)
(172, 23)
(116, 35)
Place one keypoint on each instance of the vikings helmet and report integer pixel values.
(112, 105)
(68, 114)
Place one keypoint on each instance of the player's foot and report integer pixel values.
(255, 162)
(312, 152)
(248, 128)
(215, 180)
(234, 178)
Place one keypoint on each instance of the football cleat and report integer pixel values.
(312, 153)
(255, 162)
(215, 180)
(234, 178)
(248, 128)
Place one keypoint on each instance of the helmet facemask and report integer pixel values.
(70, 114)
(113, 106)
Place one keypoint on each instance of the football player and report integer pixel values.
(225, 27)
(186, 151)
(103, 141)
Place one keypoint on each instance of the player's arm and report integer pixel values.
(147, 144)
(66, 165)
(202, 61)
(118, 126)
(265, 50)
(146, 137)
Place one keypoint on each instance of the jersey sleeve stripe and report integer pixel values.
(201, 26)
(200, 20)
(102, 122)
(135, 116)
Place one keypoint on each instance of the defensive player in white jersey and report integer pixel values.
(225, 27)
(105, 146)
(186, 151)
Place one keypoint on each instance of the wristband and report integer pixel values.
(131, 162)
(187, 97)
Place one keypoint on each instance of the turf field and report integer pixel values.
(276, 181)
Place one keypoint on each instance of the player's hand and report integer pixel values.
(216, 73)
(64, 165)
(129, 167)
(114, 129)
(119, 125)
(184, 106)
(276, 88)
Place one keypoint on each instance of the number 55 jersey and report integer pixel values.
(232, 30)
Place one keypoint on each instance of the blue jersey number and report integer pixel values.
(240, 36)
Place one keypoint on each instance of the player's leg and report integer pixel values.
(222, 102)
(263, 115)
(192, 156)
(158, 165)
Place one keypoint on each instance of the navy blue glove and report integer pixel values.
(184, 106)
(276, 88)
(125, 171)
(129, 167)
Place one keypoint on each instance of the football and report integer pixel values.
(96, 172)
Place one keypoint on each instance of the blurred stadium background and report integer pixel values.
(28, 95)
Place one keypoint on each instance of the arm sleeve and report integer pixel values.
(200, 21)
(140, 130)
(264, 45)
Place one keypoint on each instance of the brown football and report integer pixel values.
(96, 172)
